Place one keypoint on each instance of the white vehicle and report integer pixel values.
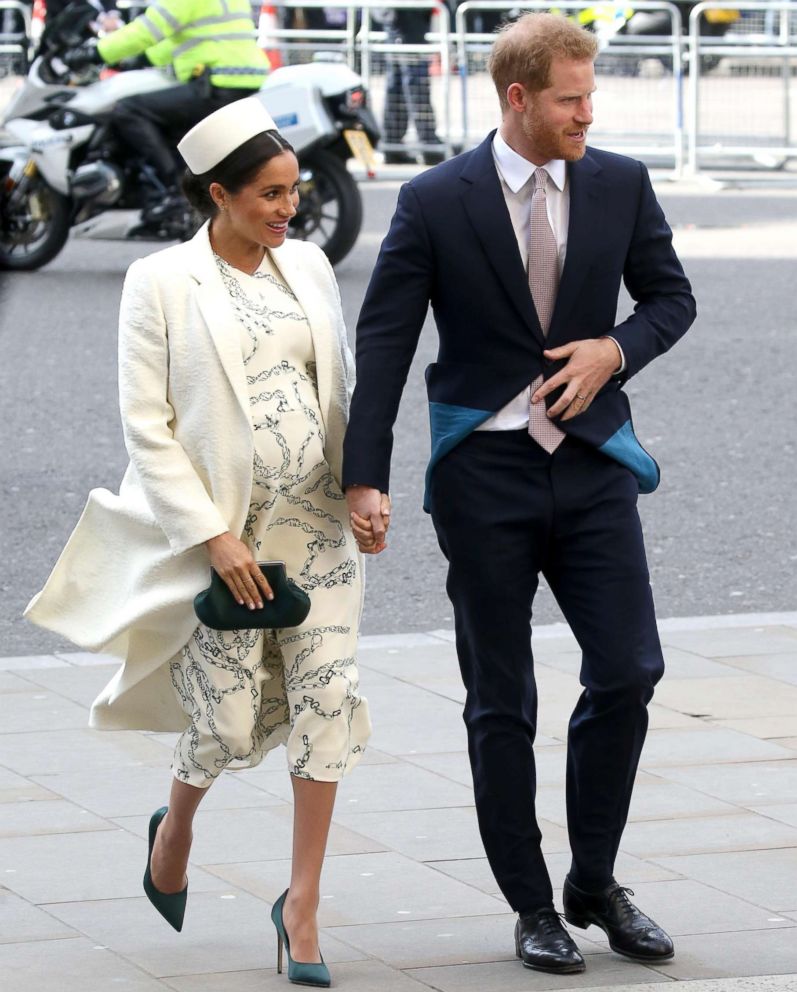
(62, 168)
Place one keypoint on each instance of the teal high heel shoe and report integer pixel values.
(171, 905)
(299, 972)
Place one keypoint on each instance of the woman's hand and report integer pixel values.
(233, 561)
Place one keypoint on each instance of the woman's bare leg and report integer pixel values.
(173, 840)
(312, 813)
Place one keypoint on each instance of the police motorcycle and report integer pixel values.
(62, 168)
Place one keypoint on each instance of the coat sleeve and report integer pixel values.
(388, 330)
(653, 275)
(161, 20)
(174, 492)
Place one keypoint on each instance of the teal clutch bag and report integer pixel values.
(217, 608)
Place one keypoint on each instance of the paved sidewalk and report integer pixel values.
(409, 902)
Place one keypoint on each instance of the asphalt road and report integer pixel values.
(718, 413)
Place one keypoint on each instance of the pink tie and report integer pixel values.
(543, 283)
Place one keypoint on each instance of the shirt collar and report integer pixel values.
(516, 170)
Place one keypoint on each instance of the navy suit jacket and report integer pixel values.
(451, 243)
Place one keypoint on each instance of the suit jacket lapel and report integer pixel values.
(586, 212)
(485, 206)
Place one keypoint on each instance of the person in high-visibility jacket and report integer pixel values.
(212, 47)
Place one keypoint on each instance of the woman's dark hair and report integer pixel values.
(234, 171)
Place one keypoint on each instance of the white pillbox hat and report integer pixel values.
(221, 132)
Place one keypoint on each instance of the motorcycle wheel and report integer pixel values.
(330, 209)
(34, 230)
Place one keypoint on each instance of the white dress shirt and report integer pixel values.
(516, 174)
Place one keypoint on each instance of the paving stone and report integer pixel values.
(11, 683)
(368, 888)
(426, 943)
(244, 834)
(81, 685)
(73, 965)
(677, 664)
(477, 873)
(21, 922)
(729, 698)
(37, 709)
(603, 970)
(53, 816)
(434, 834)
(89, 659)
(353, 976)
(721, 777)
(764, 878)
(30, 662)
(398, 786)
(435, 724)
(142, 789)
(720, 955)
(407, 663)
(786, 813)
(734, 641)
(695, 835)
(745, 783)
(668, 718)
(100, 864)
(16, 788)
(108, 752)
(662, 800)
(765, 727)
(226, 930)
(705, 744)
(782, 667)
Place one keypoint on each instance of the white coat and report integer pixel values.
(126, 580)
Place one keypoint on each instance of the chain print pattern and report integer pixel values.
(247, 691)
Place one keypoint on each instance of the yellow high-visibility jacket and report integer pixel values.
(195, 35)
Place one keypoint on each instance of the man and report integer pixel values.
(212, 46)
(408, 92)
(520, 246)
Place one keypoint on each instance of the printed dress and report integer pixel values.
(247, 691)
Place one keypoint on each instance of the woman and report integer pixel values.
(235, 376)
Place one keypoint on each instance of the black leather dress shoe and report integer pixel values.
(542, 943)
(630, 932)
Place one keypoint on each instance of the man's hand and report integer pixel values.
(591, 364)
(369, 512)
(234, 562)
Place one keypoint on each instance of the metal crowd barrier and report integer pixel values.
(409, 84)
(15, 37)
(638, 110)
(745, 108)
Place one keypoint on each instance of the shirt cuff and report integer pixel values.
(622, 355)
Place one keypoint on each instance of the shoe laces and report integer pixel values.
(621, 894)
(551, 922)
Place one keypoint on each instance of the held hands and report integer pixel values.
(369, 512)
(233, 561)
(591, 364)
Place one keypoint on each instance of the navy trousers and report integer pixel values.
(505, 511)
